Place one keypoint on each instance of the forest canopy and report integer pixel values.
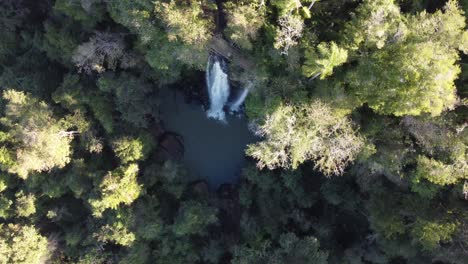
(359, 108)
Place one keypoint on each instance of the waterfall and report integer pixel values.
(240, 100)
(218, 88)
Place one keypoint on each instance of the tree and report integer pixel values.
(88, 12)
(101, 51)
(418, 70)
(148, 223)
(244, 22)
(41, 142)
(288, 33)
(431, 175)
(22, 245)
(446, 27)
(375, 24)
(322, 61)
(273, 200)
(189, 27)
(194, 218)
(12, 14)
(440, 173)
(95, 256)
(102, 108)
(176, 250)
(7, 155)
(172, 175)
(429, 234)
(139, 253)
(131, 149)
(186, 22)
(117, 187)
(60, 40)
(422, 49)
(384, 217)
(166, 55)
(132, 98)
(306, 131)
(116, 233)
(436, 137)
(213, 252)
(5, 206)
(25, 204)
(291, 249)
(285, 7)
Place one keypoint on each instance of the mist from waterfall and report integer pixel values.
(218, 88)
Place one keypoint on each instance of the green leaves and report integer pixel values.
(291, 248)
(429, 234)
(322, 60)
(118, 187)
(389, 79)
(431, 175)
(406, 57)
(25, 204)
(132, 98)
(179, 36)
(376, 23)
(288, 32)
(21, 244)
(86, 12)
(40, 141)
(437, 172)
(116, 233)
(130, 149)
(244, 22)
(193, 218)
(307, 131)
(187, 23)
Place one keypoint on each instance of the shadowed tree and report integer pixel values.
(291, 249)
(132, 98)
(193, 218)
(102, 52)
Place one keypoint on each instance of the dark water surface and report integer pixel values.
(214, 151)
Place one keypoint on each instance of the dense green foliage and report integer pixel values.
(360, 107)
(309, 131)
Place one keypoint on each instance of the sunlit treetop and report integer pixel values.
(22, 245)
(187, 23)
(40, 141)
(376, 22)
(117, 187)
(307, 131)
(404, 57)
